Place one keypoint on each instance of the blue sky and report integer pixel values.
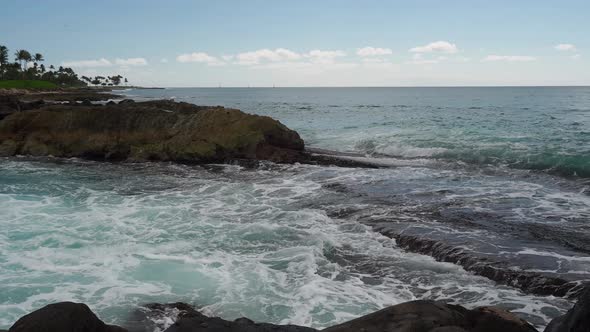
(310, 43)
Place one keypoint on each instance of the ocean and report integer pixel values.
(502, 173)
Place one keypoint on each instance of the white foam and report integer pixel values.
(247, 243)
(409, 151)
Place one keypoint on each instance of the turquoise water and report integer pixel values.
(537, 128)
(279, 243)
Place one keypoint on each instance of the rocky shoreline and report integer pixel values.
(413, 316)
(529, 282)
(59, 124)
(70, 123)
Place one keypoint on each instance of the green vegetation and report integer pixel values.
(26, 84)
(27, 71)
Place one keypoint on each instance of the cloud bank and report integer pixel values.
(565, 47)
(199, 57)
(373, 51)
(437, 46)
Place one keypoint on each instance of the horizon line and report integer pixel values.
(367, 86)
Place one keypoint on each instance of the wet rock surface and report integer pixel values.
(575, 320)
(428, 316)
(63, 317)
(414, 316)
(534, 283)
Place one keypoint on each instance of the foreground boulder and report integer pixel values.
(63, 317)
(429, 316)
(415, 316)
(154, 130)
(576, 319)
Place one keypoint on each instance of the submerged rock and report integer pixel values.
(63, 317)
(154, 130)
(576, 319)
(530, 282)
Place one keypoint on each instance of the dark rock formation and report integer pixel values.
(63, 317)
(156, 316)
(60, 94)
(428, 316)
(533, 283)
(190, 320)
(415, 316)
(576, 319)
(155, 130)
(153, 317)
(10, 104)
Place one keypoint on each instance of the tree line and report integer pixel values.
(29, 66)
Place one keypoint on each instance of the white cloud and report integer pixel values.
(256, 57)
(437, 46)
(102, 62)
(284, 56)
(565, 47)
(325, 57)
(131, 62)
(576, 56)
(199, 57)
(509, 58)
(164, 60)
(373, 51)
(373, 60)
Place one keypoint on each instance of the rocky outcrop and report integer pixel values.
(429, 316)
(10, 104)
(141, 131)
(529, 282)
(415, 316)
(63, 317)
(576, 319)
(60, 94)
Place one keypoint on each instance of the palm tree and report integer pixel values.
(38, 57)
(51, 67)
(3, 59)
(3, 55)
(23, 57)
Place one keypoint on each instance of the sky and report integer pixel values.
(182, 43)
